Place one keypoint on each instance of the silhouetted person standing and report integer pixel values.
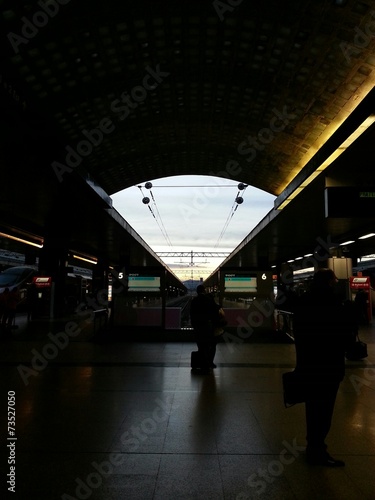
(10, 306)
(3, 302)
(361, 305)
(204, 315)
(32, 301)
(321, 337)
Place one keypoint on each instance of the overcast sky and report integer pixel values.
(192, 213)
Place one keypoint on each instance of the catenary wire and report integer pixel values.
(160, 224)
(229, 218)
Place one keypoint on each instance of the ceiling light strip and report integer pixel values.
(348, 142)
(21, 240)
(365, 236)
(85, 259)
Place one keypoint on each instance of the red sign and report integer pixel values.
(357, 282)
(42, 281)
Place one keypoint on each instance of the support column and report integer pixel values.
(100, 282)
(163, 298)
(100, 276)
(53, 262)
(30, 256)
(343, 269)
(284, 275)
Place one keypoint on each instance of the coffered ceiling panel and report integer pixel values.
(190, 87)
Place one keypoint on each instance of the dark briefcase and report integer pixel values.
(295, 388)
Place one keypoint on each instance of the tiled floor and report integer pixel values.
(114, 421)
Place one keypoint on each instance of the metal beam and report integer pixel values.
(195, 254)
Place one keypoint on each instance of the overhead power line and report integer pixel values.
(194, 186)
(237, 201)
(156, 216)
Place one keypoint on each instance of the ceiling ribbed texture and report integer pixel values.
(185, 87)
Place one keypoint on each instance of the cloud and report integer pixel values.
(193, 213)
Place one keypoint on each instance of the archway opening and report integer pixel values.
(193, 222)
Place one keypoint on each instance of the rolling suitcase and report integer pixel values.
(196, 360)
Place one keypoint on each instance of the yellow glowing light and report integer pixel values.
(91, 261)
(21, 240)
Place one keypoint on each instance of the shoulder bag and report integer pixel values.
(357, 350)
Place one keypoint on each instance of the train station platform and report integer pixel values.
(130, 420)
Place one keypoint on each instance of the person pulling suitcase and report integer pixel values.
(203, 315)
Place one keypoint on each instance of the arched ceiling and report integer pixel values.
(98, 97)
(243, 89)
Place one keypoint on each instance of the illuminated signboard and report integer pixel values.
(239, 283)
(42, 282)
(138, 283)
(360, 282)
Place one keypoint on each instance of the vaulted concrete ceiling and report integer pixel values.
(122, 92)
(245, 89)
